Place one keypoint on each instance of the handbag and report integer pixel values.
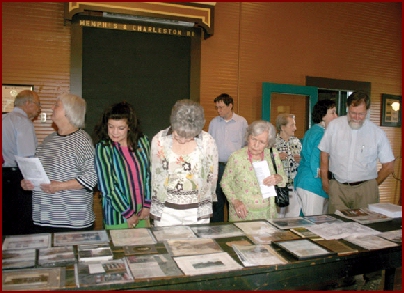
(282, 193)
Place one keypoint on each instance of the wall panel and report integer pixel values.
(280, 42)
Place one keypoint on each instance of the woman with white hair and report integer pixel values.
(67, 155)
(239, 181)
(289, 148)
(184, 166)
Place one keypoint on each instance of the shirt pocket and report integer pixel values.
(368, 154)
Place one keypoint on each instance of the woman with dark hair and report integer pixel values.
(307, 181)
(123, 168)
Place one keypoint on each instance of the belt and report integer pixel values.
(12, 169)
(222, 163)
(354, 183)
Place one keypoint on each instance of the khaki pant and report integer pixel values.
(344, 196)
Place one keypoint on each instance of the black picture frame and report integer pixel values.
(9, 92)
(389, 116)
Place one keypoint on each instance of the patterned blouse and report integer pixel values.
(183, 181)
(292, 147)
(240, 182)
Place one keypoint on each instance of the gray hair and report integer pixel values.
(187, 118)
(24, 96)
(282, 120)
(260, 126)
(75, 109)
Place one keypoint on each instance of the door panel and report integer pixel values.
(293, 99)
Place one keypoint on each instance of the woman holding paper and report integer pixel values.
(240, 184)
(67, 155)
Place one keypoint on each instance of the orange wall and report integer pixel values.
(252, 43)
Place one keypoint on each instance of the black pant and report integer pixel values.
(16, 204)
(218, 207)
(45, 229)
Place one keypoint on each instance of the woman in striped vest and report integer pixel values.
(123, 168)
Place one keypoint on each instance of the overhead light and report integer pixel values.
(395, 106)
(148, 19)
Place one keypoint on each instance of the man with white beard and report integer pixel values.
(350, 148)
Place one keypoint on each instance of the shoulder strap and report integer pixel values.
(273, 160)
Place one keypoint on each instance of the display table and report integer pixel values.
(296, 275)
(307, 274)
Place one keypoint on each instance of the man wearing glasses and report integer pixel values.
(229, 131)
(350, 149)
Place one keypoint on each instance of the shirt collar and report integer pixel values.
(20, 111)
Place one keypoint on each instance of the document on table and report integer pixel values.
(262, 171)
(32, 170)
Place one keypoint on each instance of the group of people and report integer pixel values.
(185, 175)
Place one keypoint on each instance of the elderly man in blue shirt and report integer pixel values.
(18, 138)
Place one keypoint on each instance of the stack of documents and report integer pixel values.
(388, 209)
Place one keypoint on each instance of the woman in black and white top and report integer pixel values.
(66, 204)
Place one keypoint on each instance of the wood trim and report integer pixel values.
(201, 14)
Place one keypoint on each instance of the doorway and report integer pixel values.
(285, 98)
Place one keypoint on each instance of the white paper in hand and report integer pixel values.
(262, 171)
(32, 170)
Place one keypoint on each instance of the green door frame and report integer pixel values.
(268, 88)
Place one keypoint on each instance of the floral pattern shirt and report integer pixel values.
(292, 147)
(240, 182)
(183, 181)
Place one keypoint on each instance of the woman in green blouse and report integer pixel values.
(240, 183)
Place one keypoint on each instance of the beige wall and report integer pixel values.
(252, 43)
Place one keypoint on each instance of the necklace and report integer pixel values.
(250, 156)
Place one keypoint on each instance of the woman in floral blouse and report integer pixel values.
(289, 148)
(184, 164)
(239, 182)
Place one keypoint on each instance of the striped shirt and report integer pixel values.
(66, 157)
(123, 179)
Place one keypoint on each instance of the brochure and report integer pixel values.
(206, 263)
(33, 279)
(153, 266)
(128, 237)
(101, 273)
(177, 247)
(258, 255)
(94, 253)
(56, 256)
(303, 248)
(78, 238)
(217, 231)
(32, 170)
(18, 258)
(40, 240)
